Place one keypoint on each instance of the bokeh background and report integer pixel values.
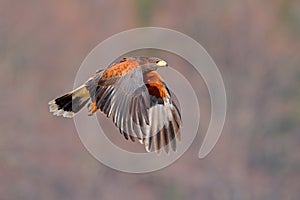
(256, 46)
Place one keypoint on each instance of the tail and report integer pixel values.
(70, 103)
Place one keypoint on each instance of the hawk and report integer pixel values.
(134, 95)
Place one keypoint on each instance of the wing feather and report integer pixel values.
(165, 118)
(141, 107)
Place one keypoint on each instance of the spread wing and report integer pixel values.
(140, 106)
(164, 115)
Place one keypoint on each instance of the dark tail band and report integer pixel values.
(70, 103)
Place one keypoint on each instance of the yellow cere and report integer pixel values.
(162, 63)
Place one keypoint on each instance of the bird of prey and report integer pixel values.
(135, 96)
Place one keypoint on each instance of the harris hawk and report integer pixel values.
(135, 96)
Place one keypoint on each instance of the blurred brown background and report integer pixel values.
(256, 46)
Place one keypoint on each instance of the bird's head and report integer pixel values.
(159, 62)
(151, 63)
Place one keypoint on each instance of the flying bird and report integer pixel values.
(134, 95)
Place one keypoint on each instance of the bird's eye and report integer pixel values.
(123, 60)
